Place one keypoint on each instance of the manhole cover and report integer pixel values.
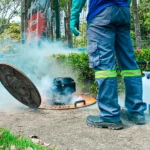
(19, 86)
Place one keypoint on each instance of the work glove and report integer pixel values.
(129, 2)
(77, 6)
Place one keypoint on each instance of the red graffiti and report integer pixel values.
(36, 26)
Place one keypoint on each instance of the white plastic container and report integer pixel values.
(146, 89)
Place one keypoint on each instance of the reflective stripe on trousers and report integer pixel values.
(131, 73)
(105, 74)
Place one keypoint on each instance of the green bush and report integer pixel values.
(79, 64)
(143, 55)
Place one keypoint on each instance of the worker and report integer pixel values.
(108, 35)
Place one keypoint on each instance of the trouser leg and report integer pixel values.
(107, 99)
(101, 39)
(128, 66)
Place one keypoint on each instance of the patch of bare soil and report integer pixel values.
(67, 130)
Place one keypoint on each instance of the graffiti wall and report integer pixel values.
(38, 17)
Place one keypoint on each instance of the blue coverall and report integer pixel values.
(108, 36)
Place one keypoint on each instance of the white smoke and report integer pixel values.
(7, 102)
(35, 61)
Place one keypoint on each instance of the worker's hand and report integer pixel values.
(129, 2)
(74, 25)
(77, 6)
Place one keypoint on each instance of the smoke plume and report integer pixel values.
(34, 60)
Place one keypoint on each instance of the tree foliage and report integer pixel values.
(8, 10)
(13, 32)
(9, 37)
(65, 6)
(144, 15)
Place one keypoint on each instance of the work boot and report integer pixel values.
(139, 120)
(95, 121)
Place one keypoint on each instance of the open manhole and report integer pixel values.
(23, 89)
(83, 102)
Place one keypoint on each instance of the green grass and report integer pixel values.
(7, 139)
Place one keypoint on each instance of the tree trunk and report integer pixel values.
(51, 28)
(65, 25)
(137, 25)
(24, 21)
(70, 41)
(57, 10)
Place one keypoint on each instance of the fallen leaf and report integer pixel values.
(13, 147)
(2, 146)
(46, 144)
(37, 141)
(1, 134)
(34, 137)
(29, 148)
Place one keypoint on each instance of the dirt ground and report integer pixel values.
(67, 130)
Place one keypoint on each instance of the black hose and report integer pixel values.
(143, 62)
